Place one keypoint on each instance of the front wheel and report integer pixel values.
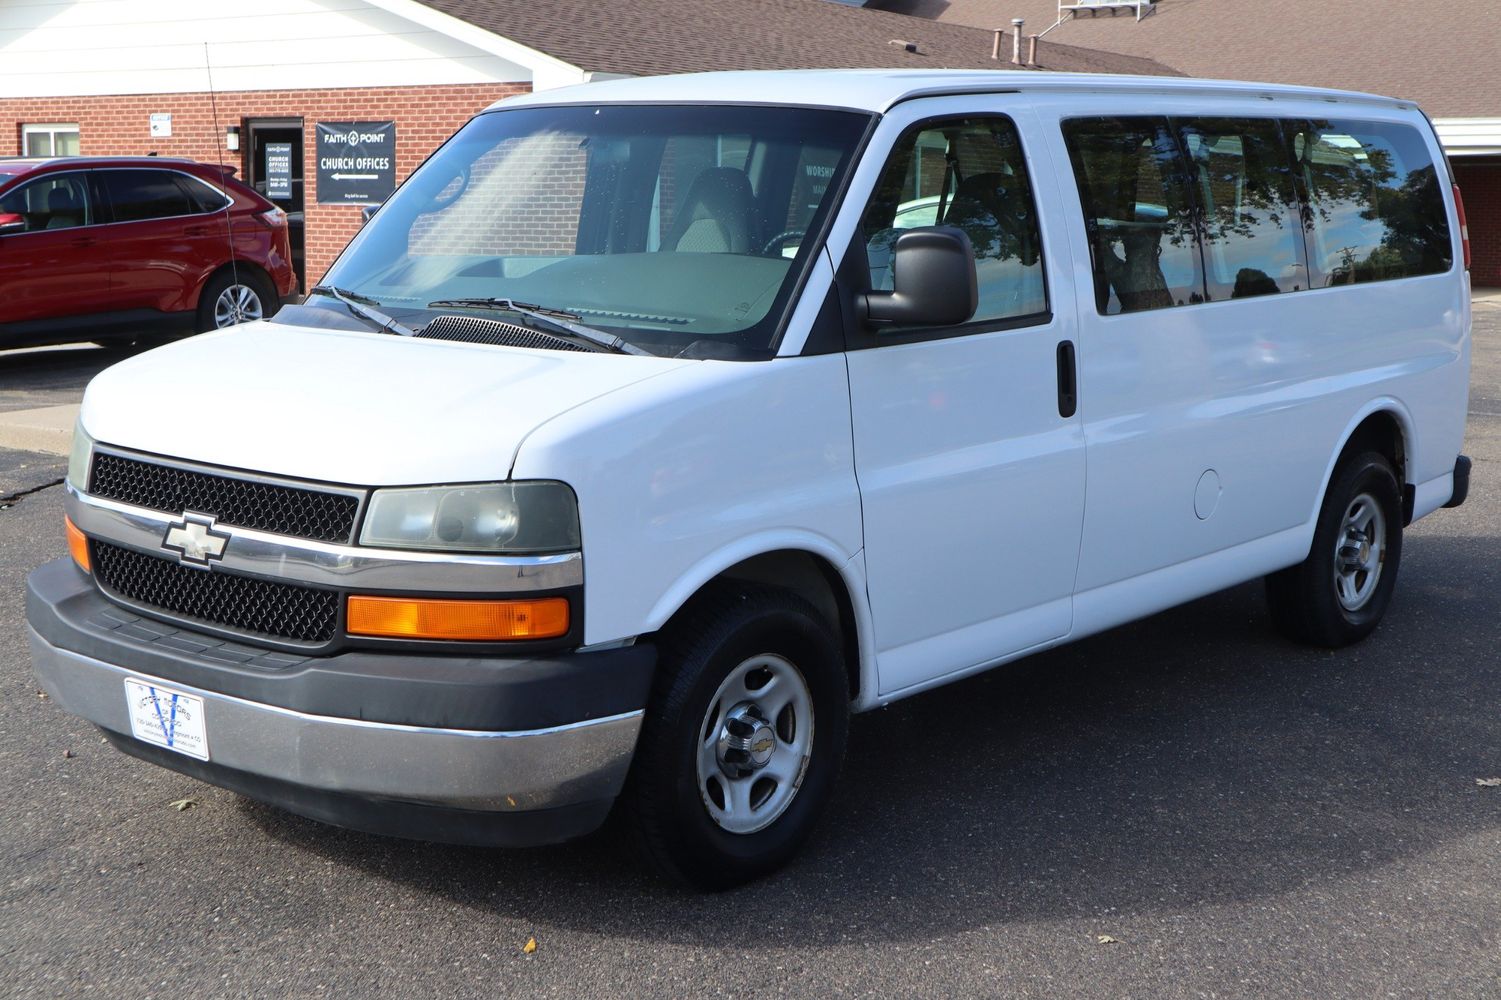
(743, 738)
(1339, 594)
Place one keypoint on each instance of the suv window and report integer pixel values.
(136, 195)
(1137, 211)
(1243, 176)
(59, 201)
(968, 173)
(1375, 209)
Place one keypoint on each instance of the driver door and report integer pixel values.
(969, 454)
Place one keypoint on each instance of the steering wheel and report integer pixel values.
(776, 242)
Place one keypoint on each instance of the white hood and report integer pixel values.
(347, 407)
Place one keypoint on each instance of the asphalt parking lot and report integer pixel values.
(1184, 807)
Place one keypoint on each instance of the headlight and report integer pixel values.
(78, 458)
(516, 518)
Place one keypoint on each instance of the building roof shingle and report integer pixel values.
(1439, 53)
(642, 37)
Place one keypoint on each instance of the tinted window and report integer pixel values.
(56, 202)
(1375, 208)
(202, 197)
(145, 194)
(1136, 211)
(970, 174)
(1244, 180)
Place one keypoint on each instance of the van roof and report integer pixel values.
(878, 90)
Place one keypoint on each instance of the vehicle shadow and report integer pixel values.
(50, 376)
(1190, 759)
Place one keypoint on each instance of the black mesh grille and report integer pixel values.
(489, 331)
(242, 603)
(285, 510)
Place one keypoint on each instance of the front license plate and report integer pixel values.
(166, 718)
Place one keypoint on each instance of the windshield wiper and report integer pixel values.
(360, 305)
(556, 319)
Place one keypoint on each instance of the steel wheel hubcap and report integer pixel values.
(1359, 552)
(754, 745)
(237, 304)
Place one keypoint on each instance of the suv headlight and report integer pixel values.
(524, 518)
(78, 458)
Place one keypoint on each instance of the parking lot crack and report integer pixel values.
(7, 502)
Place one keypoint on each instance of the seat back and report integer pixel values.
(717, 216)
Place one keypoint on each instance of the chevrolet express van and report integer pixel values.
(653, 427)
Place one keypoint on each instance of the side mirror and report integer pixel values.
(10, 222)
(933, 280)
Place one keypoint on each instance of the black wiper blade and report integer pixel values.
(555, 319)
(361, 306)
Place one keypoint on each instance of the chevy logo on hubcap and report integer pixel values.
(194, 539)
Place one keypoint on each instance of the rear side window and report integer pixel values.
(137, 195)
(1244, 179)
(1375, 207)
(202, 197)
(968, 173)
(60, 201)
(1137, 211)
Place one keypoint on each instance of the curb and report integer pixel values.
(48, 429)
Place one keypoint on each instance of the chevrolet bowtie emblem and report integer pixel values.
(194, 539)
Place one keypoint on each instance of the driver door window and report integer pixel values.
(60, 202)
(970, 174)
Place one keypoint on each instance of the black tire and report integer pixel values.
(1304, 599)
(717, 632)
(251, 278)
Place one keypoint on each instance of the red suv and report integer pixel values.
(93, 248)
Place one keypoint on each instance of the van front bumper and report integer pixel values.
(477, 750)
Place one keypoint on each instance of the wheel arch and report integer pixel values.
(1383, 425)
(232, 267)
(811, 567)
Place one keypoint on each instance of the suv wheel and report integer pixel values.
(742, 739)
(226, 302)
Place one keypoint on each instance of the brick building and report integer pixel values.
(1441, 55)
(133, 76)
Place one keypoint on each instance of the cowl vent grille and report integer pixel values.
(474, 330)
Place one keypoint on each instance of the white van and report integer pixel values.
(655, 426)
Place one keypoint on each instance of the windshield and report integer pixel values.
(677, 229)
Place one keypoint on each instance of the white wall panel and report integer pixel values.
(56, 48)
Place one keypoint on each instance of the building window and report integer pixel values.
(49, 140)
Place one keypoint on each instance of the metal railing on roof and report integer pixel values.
(1076, 7)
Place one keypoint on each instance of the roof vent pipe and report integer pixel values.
(1016, 40)
(1031, 50)
(995, 44)
(903, 44)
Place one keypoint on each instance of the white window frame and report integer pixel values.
(51, 130)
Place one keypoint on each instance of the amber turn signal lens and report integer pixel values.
(78, 545)
(418, 618)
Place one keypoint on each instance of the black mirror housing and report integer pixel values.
(933, 280)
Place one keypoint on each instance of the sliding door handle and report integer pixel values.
(1068, 380)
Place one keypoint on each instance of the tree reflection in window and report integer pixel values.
(1137, 211)
(1375, 209)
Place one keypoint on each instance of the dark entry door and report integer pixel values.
(274, 168)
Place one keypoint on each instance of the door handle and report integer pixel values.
(196, 231)
(84, 241)
(1068, 380)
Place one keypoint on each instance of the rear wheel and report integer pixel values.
(1339, 594)
(743, 738)
(229, 299)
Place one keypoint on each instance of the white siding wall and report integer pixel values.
(60, 48)
(1469, 136)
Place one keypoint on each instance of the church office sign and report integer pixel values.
(356, 162)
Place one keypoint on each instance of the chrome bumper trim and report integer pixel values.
(510, 771)
(299, 560)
